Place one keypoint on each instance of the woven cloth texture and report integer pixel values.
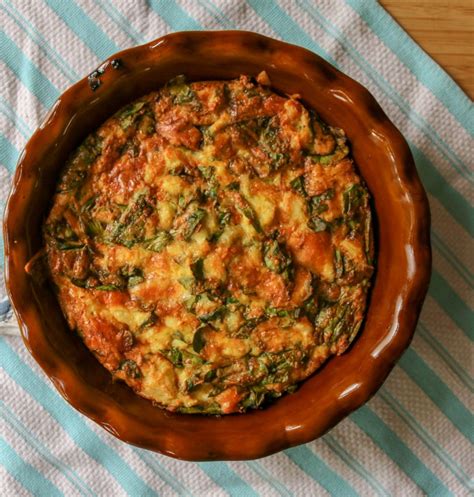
(414, 436)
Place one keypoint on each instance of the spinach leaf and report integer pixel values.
(199, 340)
(158, 242)
(193, 222)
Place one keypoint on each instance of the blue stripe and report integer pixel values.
(40, 41)
(452, 200)
(45, 453)
(8, 154)
(452, 259)
(355, 465)
(263, 473)
(225, 477)
(455, 367)
(72, 422)
(423, 435)
(25, 473)
(174, 15)
(452, 304)
(19, 123)
(82, 25)
(27, 72)
(121, 20)
(426, 70)
(153, 463)
(389, 90)
(458, 206)
(432, 385)
(315, 467)
(389, 442)
(217, 14)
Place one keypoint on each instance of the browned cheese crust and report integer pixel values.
(212, 244)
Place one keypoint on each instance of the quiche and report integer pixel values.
(211, 243)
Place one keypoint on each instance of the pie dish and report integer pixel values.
(401, 244)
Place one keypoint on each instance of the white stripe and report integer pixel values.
(206, 17)
(11, 133)
(143, 19)
(401, 78)
(374, 459)
(447, 332)
(20, 98)
(452, 233)
(262, 486)
(36, 459)
(10, 486)
(45, 429)
(70, 47)
(100, 17)
(189, 474)
(325, 453)
(430, 418)
(34, 53)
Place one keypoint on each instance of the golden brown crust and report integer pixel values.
(212, 244)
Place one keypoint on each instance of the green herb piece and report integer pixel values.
(317, 205)
(210, 375)
(252, 217)
(158, 242)
(255, 398)
(199, 340)
(338, 263)
(235, 186)
(106, 288)
(326, 159)
(181, 92)
(175, 356)
(129, 114)
(353, 197)
(93, 228)
(213, 315)
(193, 222)
(131, 275)
(150, 321)
(197, 268)
(298, 185)
(276, 258)
(130, 368)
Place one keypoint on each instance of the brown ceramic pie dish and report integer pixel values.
(402, 241)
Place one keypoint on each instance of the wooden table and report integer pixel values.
(445, 30)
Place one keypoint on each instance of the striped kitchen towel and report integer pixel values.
(414, 437)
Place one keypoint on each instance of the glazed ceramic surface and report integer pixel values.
(402, 247)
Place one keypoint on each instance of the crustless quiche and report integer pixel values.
(212, 244)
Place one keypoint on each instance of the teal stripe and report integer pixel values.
(452, 259)
(174, 15)
(315, 467)
(8, 154)
(452, 159)
(451, 199)
(72, 422)
(121, 21)
(25, 473)
(425, 69)
(285, 26)
(263, 473)
(355, 465)
(424, 436)
(27, 72)
(455, 367)
(458, 206)
(8, 111)
(51, 54)
(389, 442)
(432, 385)
(452, 304)
(221, 18)
(45, 453)
(228, 479)
(83, 26)
(153, 463)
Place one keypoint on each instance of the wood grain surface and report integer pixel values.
(445, 30)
